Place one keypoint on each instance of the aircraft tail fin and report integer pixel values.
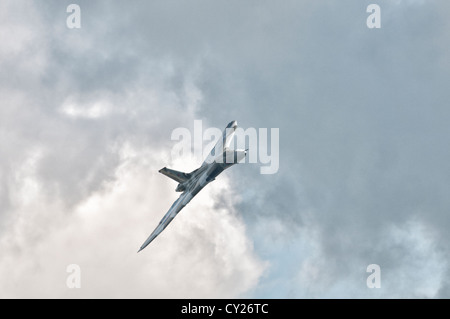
(180, 177)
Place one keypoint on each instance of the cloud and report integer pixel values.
(81, 146)
(362, 120)
(207, 254)
(362, 116)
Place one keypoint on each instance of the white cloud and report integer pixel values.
(96, 110)
(88, 192)
(203, 253)
(421, 271)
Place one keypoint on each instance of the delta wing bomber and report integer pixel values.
(219, 159)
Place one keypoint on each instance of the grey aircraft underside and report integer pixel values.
(219, 159)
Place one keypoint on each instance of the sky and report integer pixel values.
(86, 117)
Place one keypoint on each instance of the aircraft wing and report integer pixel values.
(168, 217)
(180, 177)
(228, 134)
(222, 143)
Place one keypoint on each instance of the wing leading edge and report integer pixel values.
(168, 217)
(177, 176)
(223, 143)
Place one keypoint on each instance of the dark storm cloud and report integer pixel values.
(361, 112)
(362, 116)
